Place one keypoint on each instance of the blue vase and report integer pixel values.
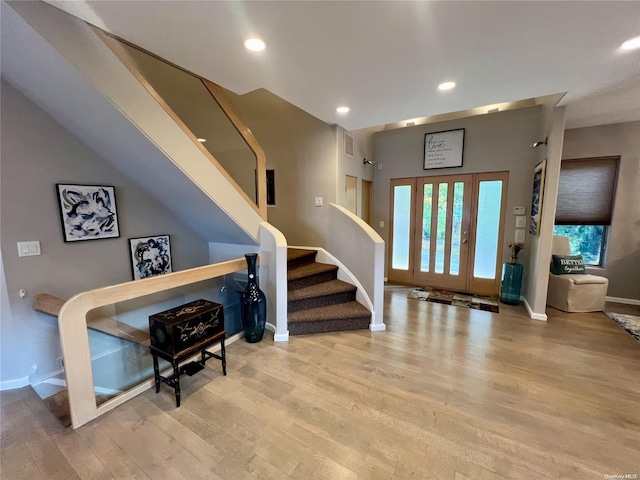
(253, 304)
(511, 283)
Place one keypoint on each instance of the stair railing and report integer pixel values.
(361, 250)
(243, 177)
(74, 338)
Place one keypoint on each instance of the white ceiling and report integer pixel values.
(384, 59)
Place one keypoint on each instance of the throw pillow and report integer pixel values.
(564, 264)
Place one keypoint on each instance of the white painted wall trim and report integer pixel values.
(532, 314)
(14, 383)
(627, 301)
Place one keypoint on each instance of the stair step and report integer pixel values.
(311, 274)
(297, 257)
(331, 318)
(321, 294)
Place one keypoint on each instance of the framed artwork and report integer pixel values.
(150, 256)
(87, 212)
(536, 199)
(443, 149)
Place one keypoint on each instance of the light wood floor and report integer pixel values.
(444, 393)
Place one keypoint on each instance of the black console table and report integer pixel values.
(183, 331)
(190, 368)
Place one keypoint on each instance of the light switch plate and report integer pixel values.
(521, 221)
(519, 238)
(519, 210)
(28, 249)
(318, 201)
(381, 223)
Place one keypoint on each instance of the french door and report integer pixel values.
(446, 231)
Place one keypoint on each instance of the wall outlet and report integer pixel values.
(318, 201)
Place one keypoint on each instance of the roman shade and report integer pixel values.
(586, 191)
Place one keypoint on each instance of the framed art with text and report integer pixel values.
(443, 149)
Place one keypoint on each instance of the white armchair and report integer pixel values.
(575, 292)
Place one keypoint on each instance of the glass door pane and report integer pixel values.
(441, 232)
(427, 206)
(487, 229)
(456, 228)
(401, 227)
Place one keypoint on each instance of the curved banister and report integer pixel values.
(74, 338)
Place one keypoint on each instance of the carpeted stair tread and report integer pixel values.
(310, 270)
(330, 312)
(296, 257)
(332, 318)
(321, 290)
(321, 295)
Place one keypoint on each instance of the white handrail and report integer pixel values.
(74, 338)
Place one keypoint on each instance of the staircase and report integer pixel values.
(317, 301)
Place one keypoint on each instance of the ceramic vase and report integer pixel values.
(253, 304)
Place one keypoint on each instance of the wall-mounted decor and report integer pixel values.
(150, 256)
(443, 149)
(88, 212)
(536, 199)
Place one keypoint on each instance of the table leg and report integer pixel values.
(224, 357)
(156, 372)
(176, 380)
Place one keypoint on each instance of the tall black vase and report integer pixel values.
(253, 304)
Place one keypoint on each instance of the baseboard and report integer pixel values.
(377, 328)
(13, 384)
(627, 301)
(281, 337)
(532, 314)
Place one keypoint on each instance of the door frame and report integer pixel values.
(472, 284)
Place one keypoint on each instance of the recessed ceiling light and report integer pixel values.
(447, 85)
(342, 109)
(254, 44)
(631, 44)
(202, 140)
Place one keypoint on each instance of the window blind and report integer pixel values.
(586, 191)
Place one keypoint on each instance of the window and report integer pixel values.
(585, 240)
(586, 194)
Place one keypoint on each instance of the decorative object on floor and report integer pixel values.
(536, 199)
(631, 323)
(150, 256)
(447, 297)
(512, 277)
(88, 212)
(253, 304)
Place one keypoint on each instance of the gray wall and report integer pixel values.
(493, 142)
(302, 151)
(36, 153)
(623, 254)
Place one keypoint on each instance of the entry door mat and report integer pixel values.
(631, 323)
(447, 297)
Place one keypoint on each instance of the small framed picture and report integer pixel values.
(150, 256)
(87, 212)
